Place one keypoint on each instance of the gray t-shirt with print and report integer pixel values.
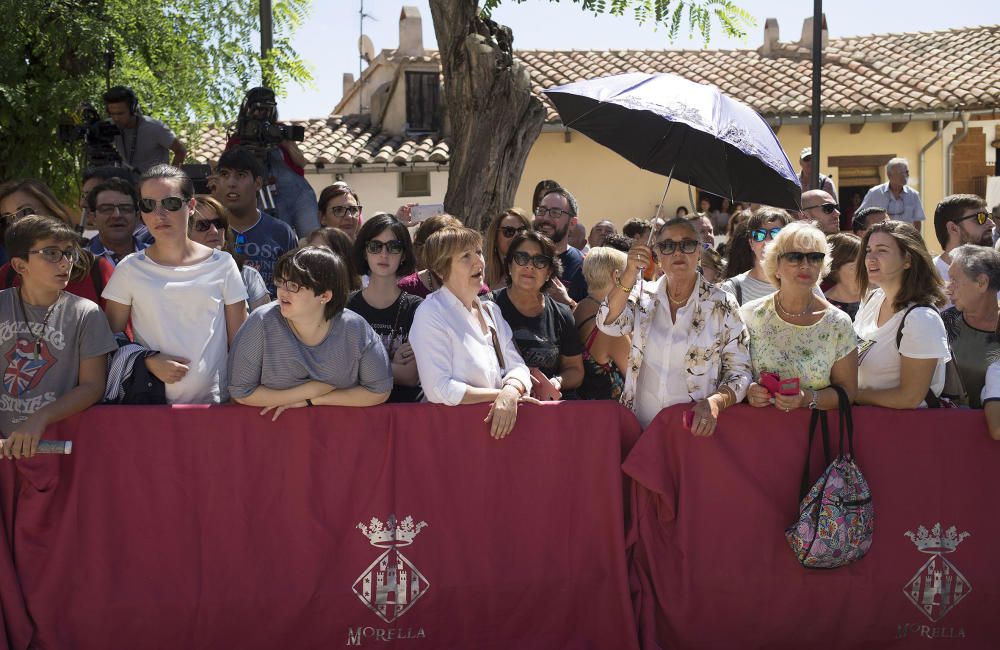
(76, 329)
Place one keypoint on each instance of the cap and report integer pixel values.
(807, 152)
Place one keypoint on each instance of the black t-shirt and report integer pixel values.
(543, 338)
(572, 274)
(392, 325)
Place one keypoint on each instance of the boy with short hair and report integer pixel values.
(53, 345)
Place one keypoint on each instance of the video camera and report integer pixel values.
(264, 133)
(98, 136)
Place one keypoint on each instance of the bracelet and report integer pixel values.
(309, 402)
(619, 285)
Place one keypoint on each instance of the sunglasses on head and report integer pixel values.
(980, 217)
(393, 246)
(170, 204)
(827, 208)
(795, 257)
(538, 261)
(10, 217)
(510, 231)
(202, 225)
(763, 233)
(54, 254)
(668, 246)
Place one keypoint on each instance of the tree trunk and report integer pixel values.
(491, 116)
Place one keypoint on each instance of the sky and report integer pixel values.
(328, 42)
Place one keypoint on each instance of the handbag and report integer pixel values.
(836, 516)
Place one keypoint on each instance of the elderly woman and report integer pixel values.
(465, 350)
(972, 324)
(604, 356)
(305, 349)
(543, 329)
(903, 344)
(796, 334)
(502, 230)
(843, 292)
(688, 342)
(762, 227)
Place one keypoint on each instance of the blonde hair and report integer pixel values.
(801, 236)
(599, 266)
(442, 246)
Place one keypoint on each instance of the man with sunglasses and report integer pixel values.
(556, 212)
(820, 206)
(114, 205)
(900, 201)
(960, 219)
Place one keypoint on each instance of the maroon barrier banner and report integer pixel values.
(712, 568)
(216, 528)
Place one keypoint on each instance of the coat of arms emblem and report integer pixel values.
(938, 586)
(391, 584)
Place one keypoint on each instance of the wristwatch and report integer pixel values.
(812, 402)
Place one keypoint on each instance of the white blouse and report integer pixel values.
(452, 352)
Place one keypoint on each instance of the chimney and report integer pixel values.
(807, 33)
(348, 83)
(411, 34)
(770, 36)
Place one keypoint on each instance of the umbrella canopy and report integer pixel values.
(662, 122)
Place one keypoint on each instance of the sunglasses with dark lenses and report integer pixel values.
(668, 246)
(55, 254)
(980, 217)
(10, 217)
(287, 285)
(510, 231)
(202, 225)
(538, 261)
(827, 208)
(170, 204)
(393, 246)
(796, 257)
(763, 233)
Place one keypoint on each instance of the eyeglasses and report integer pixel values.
(11, 217)
(763, 233)
(202, 225)
(510, 231)
(170, 204)
(393, 246)
(287, 285)
(340, 211)
(538, 261)
(554, 213)
(796, 257)
(108, 209)
(55, 254)
(668, 246)
(980, 217)
(828, 208)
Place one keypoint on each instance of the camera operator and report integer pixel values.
(257, 130)
(144, 142)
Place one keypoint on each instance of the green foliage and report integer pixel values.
(189, 62)
(668, 14)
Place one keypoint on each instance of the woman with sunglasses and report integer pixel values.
(54, 351)
(305, 349)
(383, 252)
(762, 227)
(544, 330)
(688, 342)
(501, 231)
(209, 225)
(796, 334)
(465, 349)
(903, 344)
(186, 300)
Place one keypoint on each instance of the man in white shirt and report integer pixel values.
(901, 202)
(960, 219)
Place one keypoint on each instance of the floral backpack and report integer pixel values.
(836, 515)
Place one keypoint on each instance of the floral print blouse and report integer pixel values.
(718, 353)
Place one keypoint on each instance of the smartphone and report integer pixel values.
(423, 212)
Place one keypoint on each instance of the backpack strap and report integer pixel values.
(846, 419)
(738, 285)
(931, 399)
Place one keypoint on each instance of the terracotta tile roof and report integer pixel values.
(890, 73)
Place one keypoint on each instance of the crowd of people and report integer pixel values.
(180, 297)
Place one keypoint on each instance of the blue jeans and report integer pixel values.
(295, 202)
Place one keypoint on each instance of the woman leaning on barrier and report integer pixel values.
(305, 349)
(688, 341)
(794, 332)
(464, 348)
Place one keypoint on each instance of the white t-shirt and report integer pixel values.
(942, 269)
(991, 389)
(180, 311)
(924, 337)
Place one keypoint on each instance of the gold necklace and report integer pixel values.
(805, 311)
(682, 302)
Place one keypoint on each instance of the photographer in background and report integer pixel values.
(287, 194)
(143, 142)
